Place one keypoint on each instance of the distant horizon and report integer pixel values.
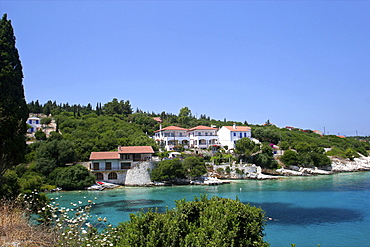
(298, 63)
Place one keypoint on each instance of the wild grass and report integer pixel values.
(15, 229)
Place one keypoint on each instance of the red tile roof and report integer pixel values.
(238, 128)
(202, 127)
(121, 150)
(104, 156)
(158, 119)
(172, 128)
(135, 150)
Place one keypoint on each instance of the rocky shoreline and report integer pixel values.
(141, 174)
(337, 166)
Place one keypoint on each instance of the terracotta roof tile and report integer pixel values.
(201, 127)
(104, 156)
(172, 128)
(158, 119)
(238, 128)
(135, 150)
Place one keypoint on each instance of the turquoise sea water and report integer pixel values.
(327, 210)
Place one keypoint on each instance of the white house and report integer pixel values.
(228, 135)
(172, 136)
(203, 137)
(112, 166)
(35, 124)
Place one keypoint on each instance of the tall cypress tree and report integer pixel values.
(13, 107)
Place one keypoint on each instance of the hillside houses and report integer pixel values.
(202, 137)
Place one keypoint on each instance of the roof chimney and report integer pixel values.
(234, 126)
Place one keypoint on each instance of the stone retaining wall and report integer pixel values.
(139, 175)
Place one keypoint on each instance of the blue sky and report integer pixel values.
(299, 63)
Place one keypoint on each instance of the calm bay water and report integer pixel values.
(327, 210)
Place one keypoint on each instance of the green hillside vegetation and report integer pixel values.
(85, 130)
(309, 147)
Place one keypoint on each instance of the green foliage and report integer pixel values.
(54, 153)
(320, 159)
(337, 152)
(302, 147)
(185, 116)
(202, 222)
(72, 177)
(10, 187)
(266, 135)
(40, 135)
(245, 147)
(284, 145)
(220, 170)
(31, 181)
(351, 154)
(289, 158)
(266, 158)
(238, 171)
(194, 166)
(45, 121)
(13, 107)
(305, 159)
(227, 169)
(168, 170)
(101, 133)
(115, 107)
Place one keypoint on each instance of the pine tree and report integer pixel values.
(13, 107)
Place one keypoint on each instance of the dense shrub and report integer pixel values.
(72, 177)
(202, 222)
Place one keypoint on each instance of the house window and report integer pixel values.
(99, 176)
(234, 134)
(137, 157)
(180, 134)
(125, 156)
(245, 134)
(112, 176)
(30, 121)
(240, 134)
(199, 133)
(95, 166)
(37, 121)
(126, 165)
(108, 165)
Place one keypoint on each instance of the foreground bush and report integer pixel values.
(202, 222)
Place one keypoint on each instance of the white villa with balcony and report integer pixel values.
(112, 166)
(171, 136)
(200, 137)
(203, 137)
(228, 135)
